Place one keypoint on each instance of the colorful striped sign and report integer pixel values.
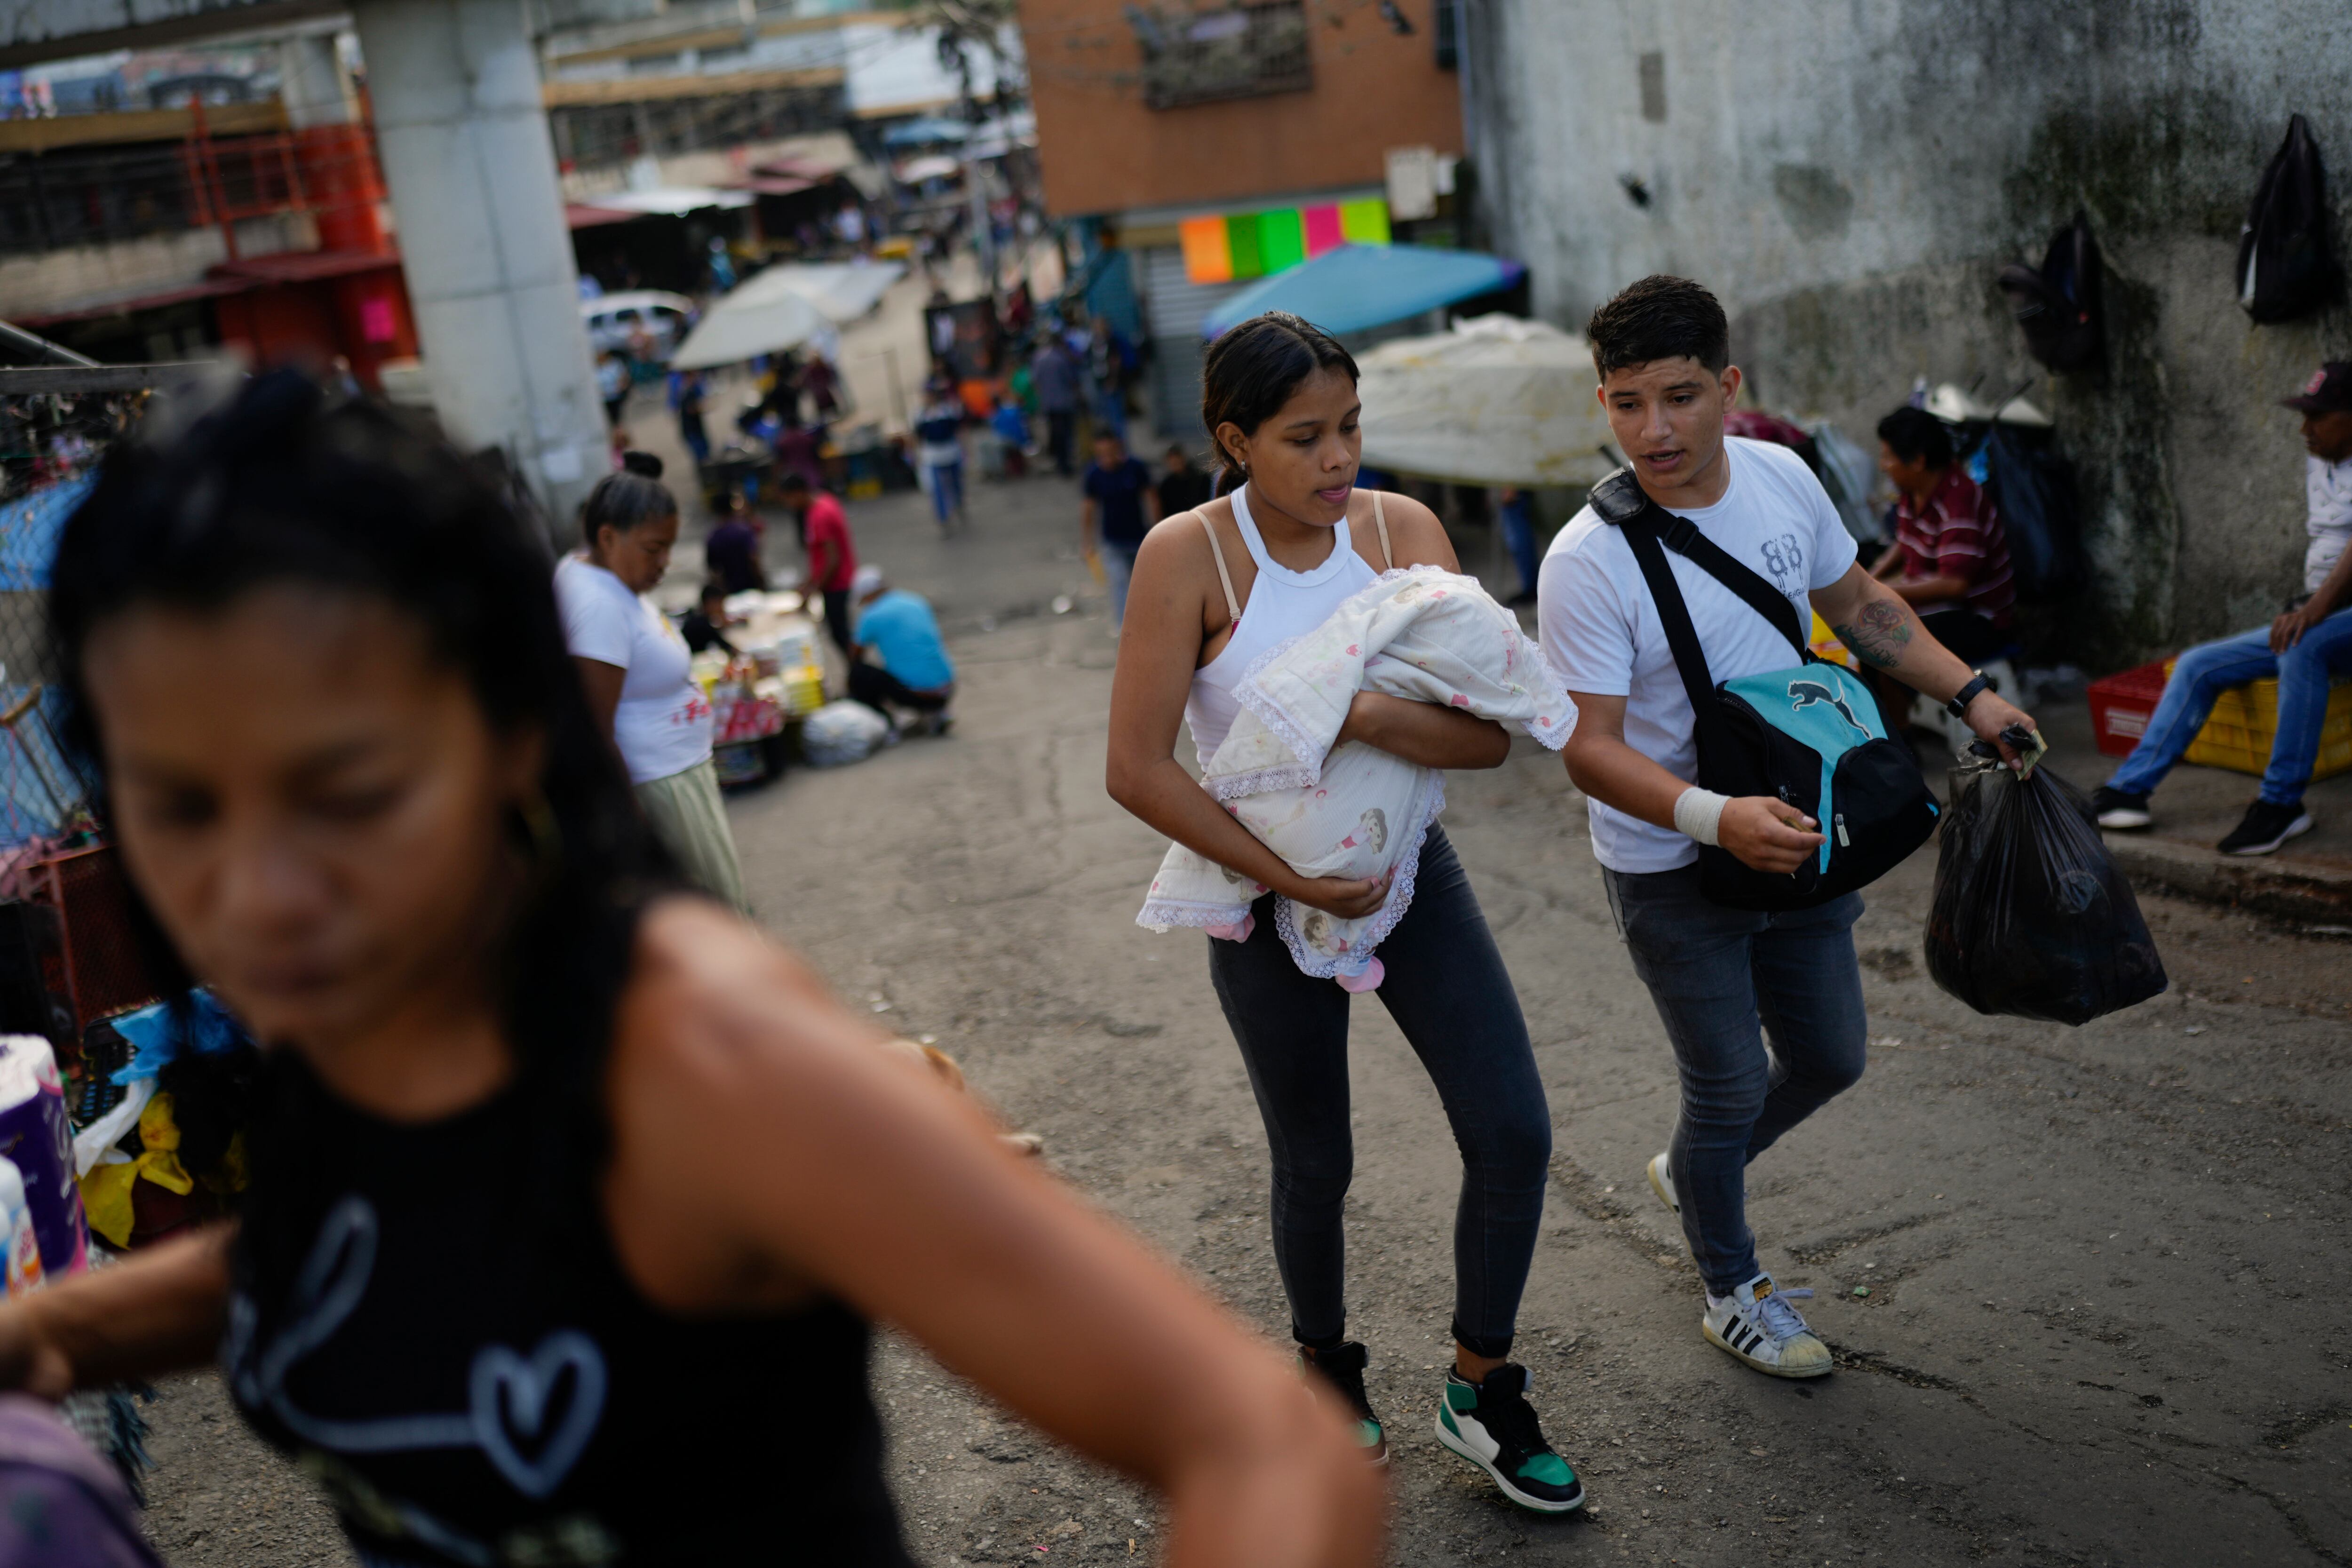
(1237, 246)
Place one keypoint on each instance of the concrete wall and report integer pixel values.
(1848, 179)
(1103, 151)
(82, 276)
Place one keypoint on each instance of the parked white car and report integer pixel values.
(613, 320)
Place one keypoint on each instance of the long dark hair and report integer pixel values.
(1251, 372)
(278, 487)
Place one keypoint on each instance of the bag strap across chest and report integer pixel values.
(1650, 530)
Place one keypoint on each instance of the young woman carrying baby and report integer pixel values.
(1213, 590)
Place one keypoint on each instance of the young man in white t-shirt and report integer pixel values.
(1662, 348)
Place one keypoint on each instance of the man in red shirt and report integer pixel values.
(1950, 560)
(831, 555)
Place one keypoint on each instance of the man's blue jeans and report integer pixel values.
(1119, 570)
(1723, 980)
(947, 490)
(2204, 672)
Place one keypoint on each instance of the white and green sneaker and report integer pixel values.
(1757, 1324)
(1343, 1367)
(1662, 1181)
(1492, 1425)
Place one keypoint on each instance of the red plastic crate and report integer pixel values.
(2122, 704)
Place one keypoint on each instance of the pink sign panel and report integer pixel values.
(377, 323)
(1322, 229)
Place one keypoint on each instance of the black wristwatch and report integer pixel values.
(1959, 706)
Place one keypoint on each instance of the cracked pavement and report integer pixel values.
(2086, 1287)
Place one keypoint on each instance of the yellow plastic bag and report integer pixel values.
(106, 1191)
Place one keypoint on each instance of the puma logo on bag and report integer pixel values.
(1803, 694)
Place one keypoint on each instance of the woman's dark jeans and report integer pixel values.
(1447, 990)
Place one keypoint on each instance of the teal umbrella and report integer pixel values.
(1356, 287)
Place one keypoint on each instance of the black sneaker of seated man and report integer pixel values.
(2119, 809)
(2266, 825)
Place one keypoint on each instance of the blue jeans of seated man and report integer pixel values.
(2204, 672)
(1449, 993)
(1723, 980)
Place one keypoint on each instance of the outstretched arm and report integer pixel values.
(159, 1310)
(755, 1113)
(1885, 633)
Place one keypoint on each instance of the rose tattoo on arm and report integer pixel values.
(1877, 635)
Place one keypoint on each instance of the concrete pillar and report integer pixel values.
(471, 172)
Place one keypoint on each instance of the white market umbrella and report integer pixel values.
(1496, 401)
(765, 316)
(844, 290)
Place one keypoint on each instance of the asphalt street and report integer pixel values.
(2086, 1286)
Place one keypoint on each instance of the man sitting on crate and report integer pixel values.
(2303, 648)
(910, 667)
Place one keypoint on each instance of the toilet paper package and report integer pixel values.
(38, 1138)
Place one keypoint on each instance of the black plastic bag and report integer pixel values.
(2057, 303)
(2031, 916)
(2284, 266)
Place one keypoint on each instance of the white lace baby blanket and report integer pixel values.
(1355, 811)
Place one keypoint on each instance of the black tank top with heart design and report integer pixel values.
(472, 1389)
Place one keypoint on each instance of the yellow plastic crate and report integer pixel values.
(803, 691)
(2244, 722)
(1825, 645)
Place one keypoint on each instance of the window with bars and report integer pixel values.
(1233, 51)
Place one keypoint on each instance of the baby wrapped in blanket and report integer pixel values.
(1355, 812)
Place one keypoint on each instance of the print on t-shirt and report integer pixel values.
(1784, 558)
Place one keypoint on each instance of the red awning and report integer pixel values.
(577, 215)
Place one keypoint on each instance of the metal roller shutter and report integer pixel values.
(1174, 309)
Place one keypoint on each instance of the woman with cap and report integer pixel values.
(638, 673)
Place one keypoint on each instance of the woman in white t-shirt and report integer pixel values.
(635, 665)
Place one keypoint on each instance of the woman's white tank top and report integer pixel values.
(1282, 604)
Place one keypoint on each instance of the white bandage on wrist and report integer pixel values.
(1698, 811)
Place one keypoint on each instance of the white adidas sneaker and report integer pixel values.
(1662, 1181)
(1757, 1324)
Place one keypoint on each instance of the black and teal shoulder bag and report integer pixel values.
(1810, 735)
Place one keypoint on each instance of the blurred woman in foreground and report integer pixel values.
(573, 1194)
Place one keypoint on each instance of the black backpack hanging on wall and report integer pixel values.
(2057, 303)
(2285, 267)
